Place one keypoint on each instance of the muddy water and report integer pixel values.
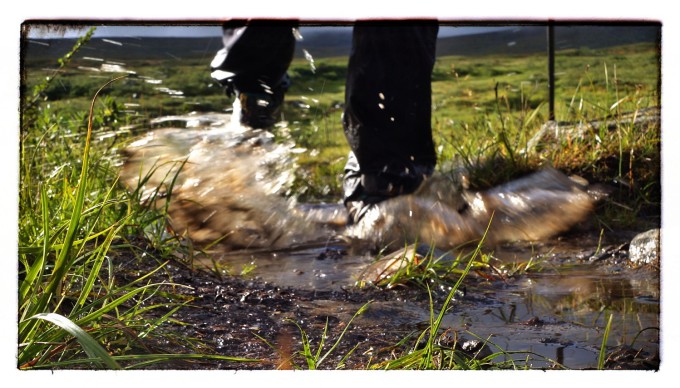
(560, 316)
(555, 313)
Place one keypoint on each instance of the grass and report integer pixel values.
(76, 221)
(314, 359)
(603, 348)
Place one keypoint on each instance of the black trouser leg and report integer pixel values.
(256, 55)
(387, 118)
(253, 65)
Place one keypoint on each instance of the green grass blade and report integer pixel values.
(96, 267)
(113, 304)
(93, 349)
(361, 310)
(137, 361)
(454, 289)
(317, 356)
(306, 348)
(151, 359)
(603, 348)
(160, 320)
(37, 267)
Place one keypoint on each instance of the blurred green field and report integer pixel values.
(485, 108)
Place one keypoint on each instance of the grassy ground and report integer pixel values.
(76, 221)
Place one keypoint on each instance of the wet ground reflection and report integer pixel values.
(557, 314)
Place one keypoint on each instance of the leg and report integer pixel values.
(253, 65)
(387, 118)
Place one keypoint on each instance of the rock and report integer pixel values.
(381, 270)
(645, 248)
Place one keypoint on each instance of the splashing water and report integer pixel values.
(228, 184)
(310, 59)
(443, 214)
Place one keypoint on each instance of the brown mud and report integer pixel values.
(553, 318)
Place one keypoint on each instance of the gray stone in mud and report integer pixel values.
(645, 248)
(382, 269)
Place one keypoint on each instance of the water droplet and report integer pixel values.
(298, 36)
(310, 59)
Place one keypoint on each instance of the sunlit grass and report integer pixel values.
(423, 266)
(71, 221)
(76, 224)
(603, 348)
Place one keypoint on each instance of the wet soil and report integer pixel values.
(234, 316)
(554, 317)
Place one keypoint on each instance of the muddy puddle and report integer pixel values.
(555, 314)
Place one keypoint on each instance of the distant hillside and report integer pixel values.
(123, 49)
(533, 39)
(337, 42)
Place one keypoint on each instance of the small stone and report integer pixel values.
(645, 248)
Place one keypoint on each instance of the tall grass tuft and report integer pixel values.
(65, 238)
(314, 359)
(77, 224)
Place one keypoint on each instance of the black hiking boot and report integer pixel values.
(362, 192)
(259, 111)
